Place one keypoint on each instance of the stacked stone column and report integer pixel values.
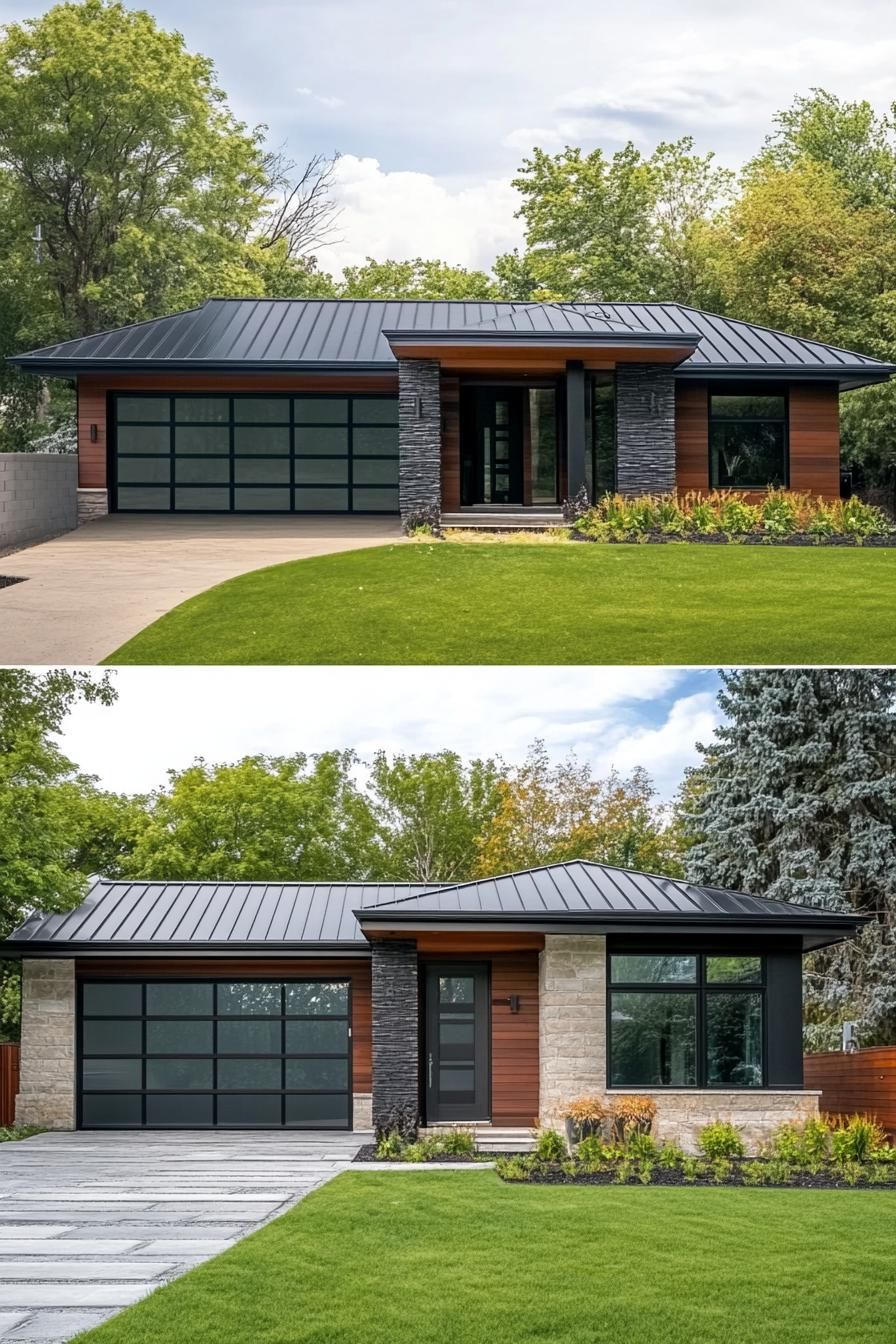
(47, 1065)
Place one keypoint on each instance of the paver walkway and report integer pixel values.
(89, 591)
(90, 1223)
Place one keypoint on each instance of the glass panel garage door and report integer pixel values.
(255, 454)
(238, 1054)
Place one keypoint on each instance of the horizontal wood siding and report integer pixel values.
(251, 968)
(9, 1082)
(691, 436)
(450, 398)
(515, 1040)
(814, 422)
(815, 439)
(860, 1083)
(93, 394)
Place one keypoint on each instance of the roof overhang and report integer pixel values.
(548, 350)
(18, 948)
(846, 378)
(814, 934)
(71, 368)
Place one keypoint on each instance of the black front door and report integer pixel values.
(492, 445)
(456, 1063)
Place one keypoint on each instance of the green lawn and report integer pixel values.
(491, 603)
(459, 1258)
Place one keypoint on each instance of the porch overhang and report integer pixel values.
(542, 352)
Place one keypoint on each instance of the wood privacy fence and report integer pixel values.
(9, 1081)
(863, 1082)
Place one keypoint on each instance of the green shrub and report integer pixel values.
(787, 1144)
(390, 1147)
(816, 1141)
(458, 1143)
(701, 515)
(671, 1156)
(691, 1168)
(640, 1147)
(645, 1172)
(753, 1173)
(736, 515)
(721, 1168)
(779, 1172)
(720, 1139)
(417, 1152)
(550, 1146)
(13, 1132)
(856, 1139)
(779, 514)
(858, 519)
(512, 1168)
(592, 1149)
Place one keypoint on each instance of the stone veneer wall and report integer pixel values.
(757, 1114)
(572, 1044)
(362, 1110)
(47, 1063)
(92, 504)
(394, 1027)
(419, 436)
(645, 429)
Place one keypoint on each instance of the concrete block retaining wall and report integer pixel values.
(38, 497)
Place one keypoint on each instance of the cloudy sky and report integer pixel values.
(609, 716)
(434, 104)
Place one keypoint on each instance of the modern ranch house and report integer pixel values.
(362, 406)
(185, 1005)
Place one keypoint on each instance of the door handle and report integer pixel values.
(430, 1070)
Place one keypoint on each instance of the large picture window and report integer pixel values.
(256, 454)
(686, 1020)
(747, 440)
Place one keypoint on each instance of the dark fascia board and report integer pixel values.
(857, 375)
(62, 368)
(816, 933)
(643, 340)
(17, 948)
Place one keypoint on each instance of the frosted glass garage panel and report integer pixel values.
(321, 501)
(144, 408)
(376, 471)
(202, 410)
(261, 471)
(144, 470)
(374, 442)
(142, 498)
(375, 411)
(321, 471)
(320, 410)
(261, 500)
(261, 410)
(187, 499)
(261, 440)
(375, 501)
(321, 441)
(143, 439)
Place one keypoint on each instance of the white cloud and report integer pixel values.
(399, 215)
(166, 717)
(325, 100)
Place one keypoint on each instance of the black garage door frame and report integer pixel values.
(232, 425)
(214, 1056)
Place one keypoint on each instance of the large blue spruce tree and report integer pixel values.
(796, 799)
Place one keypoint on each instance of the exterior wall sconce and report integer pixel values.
(512, 1001)
(94, 433)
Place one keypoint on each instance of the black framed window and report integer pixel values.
(748, 439)
(207, 1053)
(600, 434)
(686, 1020)
(250, 453)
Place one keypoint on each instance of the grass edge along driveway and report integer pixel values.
(539, 604)
(461, 1258)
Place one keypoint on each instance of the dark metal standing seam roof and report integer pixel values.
(129, 916)
(348, 334)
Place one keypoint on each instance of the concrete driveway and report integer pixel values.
(90, 590)
(90, 1222)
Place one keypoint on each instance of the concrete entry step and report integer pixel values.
(490, 1138)
(504, 520)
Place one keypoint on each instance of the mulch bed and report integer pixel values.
(802, 1180)
(743, 539)
(7, 580)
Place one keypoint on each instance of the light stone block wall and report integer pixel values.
(681, 1115)
(362, 1110)
(572, 1042)
(47, 1061)
(38, 497)
(572, 1016)
(92, 504)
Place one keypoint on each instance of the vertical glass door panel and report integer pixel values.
(456, 1062)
